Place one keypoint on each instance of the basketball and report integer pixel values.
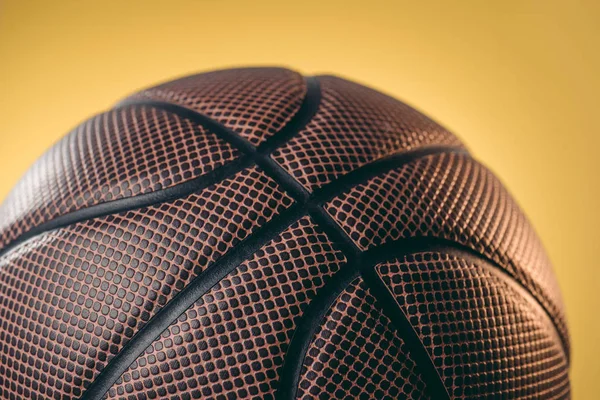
(256, 234)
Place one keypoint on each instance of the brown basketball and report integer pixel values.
(252, 233)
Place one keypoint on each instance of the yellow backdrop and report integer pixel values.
(518, 81)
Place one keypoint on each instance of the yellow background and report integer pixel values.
(518, 81)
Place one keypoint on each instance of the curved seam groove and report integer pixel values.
(232, 259)
(365, 263)
(312, 319)
(134, 202)
(385, 164)
(309, 107)
(401, 247)
(199, 286)
(306, 111)
(306, 328)
(435, 385)
(261, 158)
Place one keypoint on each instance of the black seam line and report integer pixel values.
(382, 165)
(367, 260)
(306, 328)
(306, 111)
(135, 202)
(312, 319)
(262, 159)
(233, 258)
(259, 155)
(406, 246)
(435, 385)
(199, 286)
(317, 200)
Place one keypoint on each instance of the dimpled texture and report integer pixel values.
(117, 154)
(254, 102)
(71, 298)
(155, 254)
(354, 126)
(357, 354)
(485, 337)
(453, 197)
(233, 341)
